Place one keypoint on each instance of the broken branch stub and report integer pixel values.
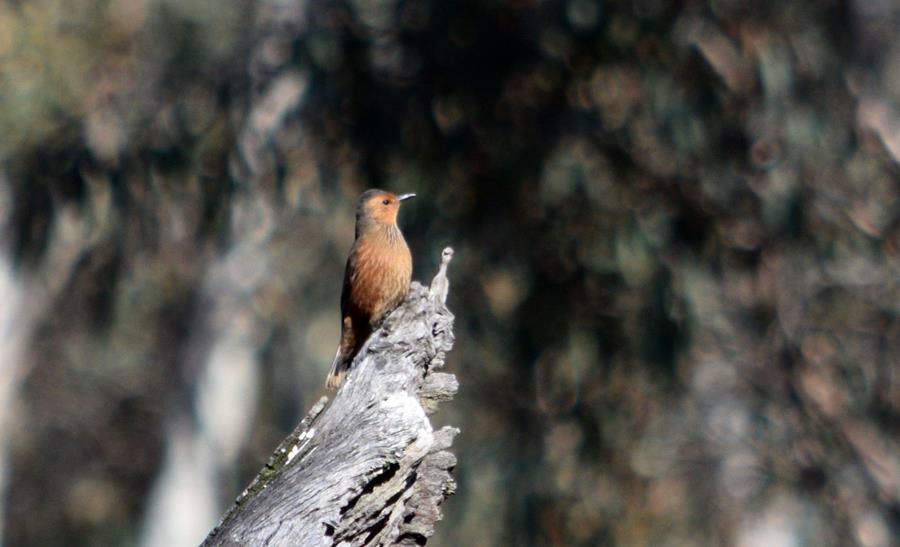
(368, 468)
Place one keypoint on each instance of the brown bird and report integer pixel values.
(377, 276)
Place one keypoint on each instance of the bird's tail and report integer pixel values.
(339, 368)
(344, 356)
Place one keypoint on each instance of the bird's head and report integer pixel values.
(379, 206)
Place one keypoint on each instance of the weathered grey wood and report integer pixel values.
(368, 468)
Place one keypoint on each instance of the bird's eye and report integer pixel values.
(386, 202)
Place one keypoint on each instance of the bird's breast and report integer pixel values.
(382, 274)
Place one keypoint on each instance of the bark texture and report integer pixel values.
(366, 468)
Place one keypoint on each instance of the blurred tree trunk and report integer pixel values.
(368, 468)
(25, 301)
(226, 336)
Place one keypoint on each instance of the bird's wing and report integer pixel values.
(349, 272)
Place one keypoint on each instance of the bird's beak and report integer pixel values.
(404, 197)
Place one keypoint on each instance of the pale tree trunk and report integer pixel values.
(204, 440)
(27, 297)
(366, 468)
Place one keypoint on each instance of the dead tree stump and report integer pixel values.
(366, 468)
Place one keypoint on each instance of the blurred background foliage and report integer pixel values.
(676, 283)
